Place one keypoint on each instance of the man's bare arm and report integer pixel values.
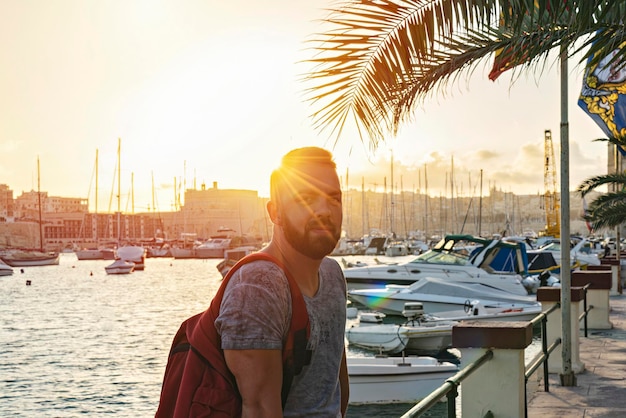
(259, 375)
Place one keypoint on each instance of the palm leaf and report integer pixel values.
(592, 183)
(379, 58)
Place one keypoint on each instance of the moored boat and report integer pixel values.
(120, 266)
(415, 338)
(134, 254)
(28, 258)
(5, 269)
(395, 379)
(456, 258)
(437, 295)
(89, 254)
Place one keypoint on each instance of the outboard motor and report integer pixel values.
(413, 311)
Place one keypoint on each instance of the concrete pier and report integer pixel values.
(600, 389)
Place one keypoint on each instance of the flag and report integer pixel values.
(603, 95)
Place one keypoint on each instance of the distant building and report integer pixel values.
(6, 203)
(205, 211)
(27, 205)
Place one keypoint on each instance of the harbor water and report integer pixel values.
(77, 341)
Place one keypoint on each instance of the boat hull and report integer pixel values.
(427, 339)
(89, 254)
(395, 380)
(34, 261)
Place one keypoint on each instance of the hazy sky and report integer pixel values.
(204, 91)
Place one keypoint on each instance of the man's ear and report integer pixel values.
(272, 211)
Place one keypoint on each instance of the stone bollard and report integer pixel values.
(597, 295)
(548, 296)
(499, 385)
(615, 267)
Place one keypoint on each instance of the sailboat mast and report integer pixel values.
(96, 208)
(119, 171)
(119, 187)
(39, 204)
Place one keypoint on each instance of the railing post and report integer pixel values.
(549, 296)
(498, 386)
(597, 296)
(612, 264)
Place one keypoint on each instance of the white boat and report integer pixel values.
(437, 295)
(89, 254)
(415, 338)
(395, 379)
(580, 253)
(475, 310)
(120, 266)
(494, 263)
(428, 334)
(212, 248)
(182, 252)
(396, 249)
(134, 254)
(5, 269)
(28, 258)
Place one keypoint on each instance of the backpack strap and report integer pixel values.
(294, 354)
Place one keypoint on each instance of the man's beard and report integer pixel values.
(316, 247)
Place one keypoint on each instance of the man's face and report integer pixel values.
(311, 211)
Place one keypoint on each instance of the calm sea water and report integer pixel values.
(80, 342)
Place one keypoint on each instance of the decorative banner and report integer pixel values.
(603, 95)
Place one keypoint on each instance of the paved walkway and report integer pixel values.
(600, 389)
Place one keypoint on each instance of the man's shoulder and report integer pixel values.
(331, 265)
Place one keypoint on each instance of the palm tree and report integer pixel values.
(380, 58)
(607, 210)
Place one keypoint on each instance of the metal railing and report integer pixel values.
(449, 388)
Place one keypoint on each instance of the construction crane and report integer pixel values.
(550, 198)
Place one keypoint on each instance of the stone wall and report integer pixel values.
(19, 235)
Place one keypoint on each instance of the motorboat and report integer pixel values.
(29, 258)
(231, 256)
(120, 266)
(5, 269)
(396, 249)
(475, 310)
(395, 379)
(456, 258)
(134, 254)
(212, 248)
(429, 334)
(89, 254)
(580, 254)
(437, 295)
(412, 337)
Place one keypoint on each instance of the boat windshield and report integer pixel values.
(442, 257)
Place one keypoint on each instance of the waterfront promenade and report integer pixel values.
(600, 389)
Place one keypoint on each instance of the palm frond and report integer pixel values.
(593, 183)
(380, 57)
(607, 214)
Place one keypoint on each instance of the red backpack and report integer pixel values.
(197, 382)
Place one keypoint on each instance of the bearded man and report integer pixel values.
(306, 211)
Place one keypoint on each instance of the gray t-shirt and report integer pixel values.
(256, 314)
